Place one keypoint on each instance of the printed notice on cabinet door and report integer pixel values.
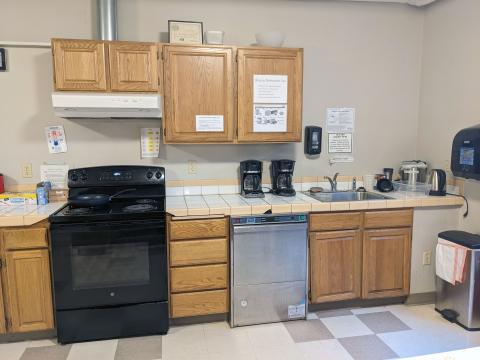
(270, 89)
(209, 123)
(269, 118)
(150, 142)
(56, 140)
(340, 143)
(340, 120)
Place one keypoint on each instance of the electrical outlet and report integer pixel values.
(27, 170)
(191, 167)
(427, 257)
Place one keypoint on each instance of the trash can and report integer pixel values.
(460, 303)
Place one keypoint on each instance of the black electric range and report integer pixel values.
(109, 262)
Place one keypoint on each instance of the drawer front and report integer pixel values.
(25, 238)
(198, 252)
(335, 221)
(388, 219)
(199, 303)
(195, 229)
(196, 278)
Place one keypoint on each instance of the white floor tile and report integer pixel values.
(184, 341)
(324, 349)
(93, 350)
(312, 316)
(12, 351)
(269, 336)
(346, 326)
(368, 310)
(292, 352)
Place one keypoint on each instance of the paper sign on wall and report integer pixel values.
(340, 143)
(150, 142)
(270, 89)
(269, 118)
(56, 174)
(340, 120)
(209, 123)
(56, 140)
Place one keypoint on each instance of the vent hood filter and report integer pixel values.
(99, 105)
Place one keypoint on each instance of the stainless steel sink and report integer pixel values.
(345, 196)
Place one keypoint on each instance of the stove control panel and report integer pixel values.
(116, 175)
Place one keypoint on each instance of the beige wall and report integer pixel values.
(450, 91)
(362, 55)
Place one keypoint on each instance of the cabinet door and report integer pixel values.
(253, 62)
(335, 265)
(133, 66)
(29, 290)
(198, 81)
(3, 328)
(79, 65)
(386, 263)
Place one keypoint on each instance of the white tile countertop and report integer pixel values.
(235, 204)
(25, 215)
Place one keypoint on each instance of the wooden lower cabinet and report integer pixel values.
(3, 327)
(360, 255)
(199, 303)
(336, 267)
(386, 263)
(26, 280)
(198, 262)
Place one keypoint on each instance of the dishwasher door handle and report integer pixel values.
(263, 228)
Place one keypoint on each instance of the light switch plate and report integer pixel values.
(27, 171)
(427, 258)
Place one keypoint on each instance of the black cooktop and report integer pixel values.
(144, 200)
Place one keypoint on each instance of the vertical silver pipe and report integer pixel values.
(107, 19)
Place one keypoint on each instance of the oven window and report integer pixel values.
(112, 265)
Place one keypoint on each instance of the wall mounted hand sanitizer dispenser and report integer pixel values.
(466, 153)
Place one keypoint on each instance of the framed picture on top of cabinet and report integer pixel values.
(185, 32)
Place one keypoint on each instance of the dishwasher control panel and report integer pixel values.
(269, 219)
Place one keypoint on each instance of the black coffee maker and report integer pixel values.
(282, 177)
(251, 179)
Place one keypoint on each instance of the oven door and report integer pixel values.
(99, 264)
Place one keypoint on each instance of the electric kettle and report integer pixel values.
(438, 181)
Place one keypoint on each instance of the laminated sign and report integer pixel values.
(270, 96)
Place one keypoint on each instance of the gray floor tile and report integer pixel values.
(310, 330)
(383, 322)
(332, 313)
(368, 347)
(139, 348)
(55, 352)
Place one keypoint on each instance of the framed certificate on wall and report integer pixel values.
(185, 32)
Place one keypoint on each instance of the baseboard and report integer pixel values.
(421, 298)
(34, 335)
(198, 319)
(355, 303)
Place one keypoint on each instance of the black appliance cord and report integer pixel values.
(466, 202)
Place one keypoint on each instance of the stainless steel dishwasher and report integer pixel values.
(268, 269)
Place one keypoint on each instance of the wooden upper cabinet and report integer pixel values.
(79, 65)
(133, 66)
(386, 263)
(335, 265)
(29, 290)
(198, 81)
(263, 61)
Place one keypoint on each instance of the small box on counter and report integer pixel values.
(26, 198)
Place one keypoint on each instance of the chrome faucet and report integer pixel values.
(333, 182)
(354, 184)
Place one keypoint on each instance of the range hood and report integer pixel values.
(106, 105)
